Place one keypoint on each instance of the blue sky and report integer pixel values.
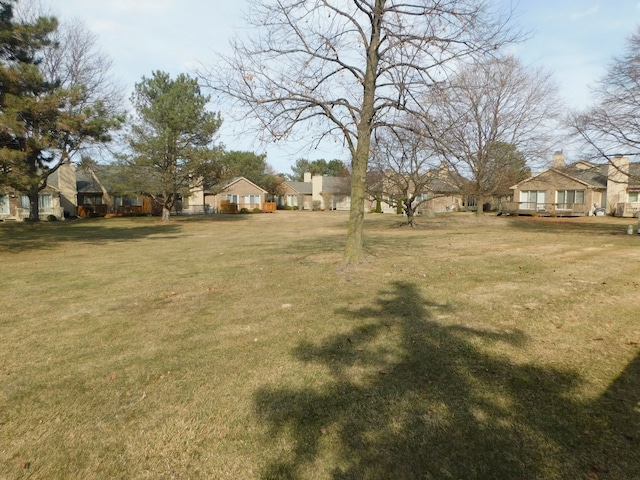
(574, 39)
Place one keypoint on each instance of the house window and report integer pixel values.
(533, 199)
(633, 196)
(92, 200)
(44, 202)
(123, 201)
(469, 201)
(233, 198)
(4, 205)
(421, 197)
(567, 198)
(292, 200)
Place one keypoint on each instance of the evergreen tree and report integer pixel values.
(332, 168)
(170, 138)
(40, 127)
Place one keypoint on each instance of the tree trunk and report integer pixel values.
(479, 205)
(166, 214)
(408, 209)
(354, 251)
(34, 206)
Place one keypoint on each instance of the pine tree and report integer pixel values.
(39, 126)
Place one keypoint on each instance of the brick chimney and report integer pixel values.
(558, 159)
(617, 182)
(307, 177)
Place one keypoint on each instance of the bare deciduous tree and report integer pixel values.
(405, 164)
(77, 60)
(482, 108)
(337, 68)
(611, 127)
(73, 61)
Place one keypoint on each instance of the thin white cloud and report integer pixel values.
(585, 13)
(145, 7)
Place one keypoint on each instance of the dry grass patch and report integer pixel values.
(238, 347)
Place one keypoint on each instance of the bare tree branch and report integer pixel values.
(488, 104)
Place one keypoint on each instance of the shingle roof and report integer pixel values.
(338, 185)
(304, 188)
(595, 176)
(85, 182)
(592, 174)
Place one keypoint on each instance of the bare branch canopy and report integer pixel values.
(339, 69)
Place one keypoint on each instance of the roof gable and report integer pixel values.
(589, 177)
(240, 180)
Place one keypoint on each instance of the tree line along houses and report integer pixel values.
(73, 191)
(578, 189)
(79, 191)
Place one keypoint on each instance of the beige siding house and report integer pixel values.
(579, 189)
(297, 195)
(436, 191)
(58, 198)
(331, 193)
(317, 192)
(235, 195)
(321, 192)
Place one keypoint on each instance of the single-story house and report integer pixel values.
(233, 196)
(297, 194)
(322, 192)
(317, 192)
(331, 193)
(579, 189)
(441, 196)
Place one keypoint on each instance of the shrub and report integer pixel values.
(52, 218)
(257, 210)
(244, 210)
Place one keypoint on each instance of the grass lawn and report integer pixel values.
(238, 347)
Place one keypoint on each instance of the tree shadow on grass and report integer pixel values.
(46, 236)
(410, 398)
(568, 226)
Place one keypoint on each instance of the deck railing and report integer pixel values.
(545, 208)
(628, 209)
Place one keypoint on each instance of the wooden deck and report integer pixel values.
(546, 209)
